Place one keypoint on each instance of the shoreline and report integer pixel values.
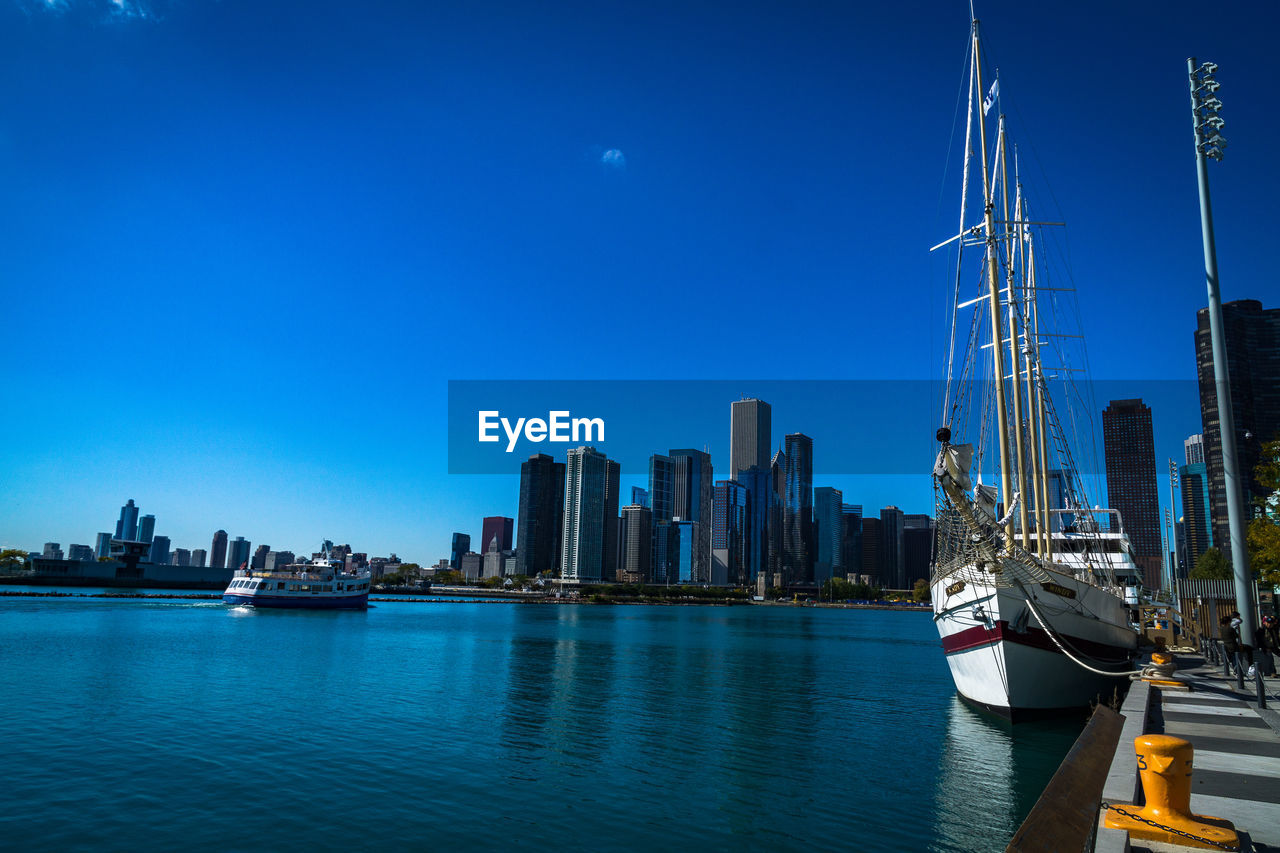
(480, 598)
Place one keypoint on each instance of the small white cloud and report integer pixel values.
(614, 159)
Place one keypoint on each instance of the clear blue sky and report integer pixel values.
(244, 246)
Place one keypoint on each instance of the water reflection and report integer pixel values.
(990, 774)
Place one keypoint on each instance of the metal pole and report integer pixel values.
(1173, 525)
(1221, 380)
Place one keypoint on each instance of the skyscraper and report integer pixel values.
(797, 509)
(80, 552)
(103, 546)
(893, 547)
(917, 547)
(181, 557)
(499, 527)
(541, 515)
(777, 514)
(198, 556)
(1197, 530)
(160, 550)
(218, 551)
(582, 545)
(639, 496)
(692, 490)
(851, 546)
(749, 435)
(127, 526)
(828, 533)
(146, 528)
(460, 546)
(637, 544)
(661, 500)
(1131, 482)
(873, 563)
(609, 557)
(730, 533)
(52, 551)
(1252, 336)
(758, 483)
(260, 557)
(684, 538)
(238, 552)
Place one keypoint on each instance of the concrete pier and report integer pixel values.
(1236, 766)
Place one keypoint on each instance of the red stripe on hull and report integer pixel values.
(980, 635)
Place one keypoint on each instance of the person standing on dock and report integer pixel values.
(1268, 646)
(1230, 633)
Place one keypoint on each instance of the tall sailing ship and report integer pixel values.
(1029, 584)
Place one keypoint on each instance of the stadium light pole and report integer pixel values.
(1210, 144)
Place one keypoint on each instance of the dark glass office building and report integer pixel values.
(828, 533)
(541, 518)
(797, 510)
(1131, 482)
(460, 546)
(1252, 336)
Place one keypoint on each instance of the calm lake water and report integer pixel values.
(157, 725)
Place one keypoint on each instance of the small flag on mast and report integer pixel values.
(991, 96)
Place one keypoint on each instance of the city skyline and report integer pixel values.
(172, 170)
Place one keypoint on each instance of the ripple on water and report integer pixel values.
(141, 725)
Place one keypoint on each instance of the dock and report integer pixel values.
(1236, 763)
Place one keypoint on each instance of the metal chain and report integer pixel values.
(1142, 819)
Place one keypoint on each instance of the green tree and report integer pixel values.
(920, 592)
(1211, 566)
(1263, 533)
(12, 560)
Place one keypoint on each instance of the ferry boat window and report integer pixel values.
(280, 585)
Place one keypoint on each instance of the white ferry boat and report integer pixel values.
(322, 584)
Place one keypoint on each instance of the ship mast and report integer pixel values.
(993, 286)
(1016, 386)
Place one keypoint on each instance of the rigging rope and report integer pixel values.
(1053, 635)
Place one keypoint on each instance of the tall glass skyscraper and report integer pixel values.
(1252, 336)
(661, 501)
(730, 532)
(692, 491)
(797, 519)
(749, 435)
(609, 557)
(218, 550)
(582, 546)
(636, 548)
(893, 547)
(851, 545)
(458, 548)
(146, 528)
(238, 553)
(541, 524)
(1131, 482)
(828, 533)
(127, 526)
(757, 481)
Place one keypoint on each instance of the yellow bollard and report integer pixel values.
(1164, 765)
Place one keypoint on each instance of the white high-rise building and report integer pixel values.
(582, 545)
(1194, 447)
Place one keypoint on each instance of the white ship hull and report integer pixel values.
(1003, 660)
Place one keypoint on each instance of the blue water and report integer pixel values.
(156, 725)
